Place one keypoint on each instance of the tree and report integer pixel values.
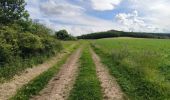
(62, 35)
(12, 10)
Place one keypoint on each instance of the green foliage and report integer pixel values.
(87, 85)
(39, 29)
(21, 49)
(8, 45)
(12, 10)
(23, 43)
(63, 35)
(138, 65)
(29, 43)
(114, 33)
(51, 45)
(5, 52)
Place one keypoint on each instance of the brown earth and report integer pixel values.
(60, 85)
(110, 88)
(9, 88)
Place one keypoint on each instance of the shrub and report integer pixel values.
(29, 43)
(5, 52)
(8, 45)
(51, 44)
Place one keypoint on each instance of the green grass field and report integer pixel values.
(141, 66)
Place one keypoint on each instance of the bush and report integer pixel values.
(29, 43)
(8, 45)
(51, 44)
(5, 52)
(22, 47)
(40, 30)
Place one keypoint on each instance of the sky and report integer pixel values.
(86, 16)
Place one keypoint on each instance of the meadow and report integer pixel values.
(141, 66)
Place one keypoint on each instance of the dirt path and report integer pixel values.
(109, 85)
(9, 88)
(61, 84)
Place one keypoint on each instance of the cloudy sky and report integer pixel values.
(86, 16)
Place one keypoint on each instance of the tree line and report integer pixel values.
(114, 33)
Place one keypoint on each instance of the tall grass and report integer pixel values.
(138, 65)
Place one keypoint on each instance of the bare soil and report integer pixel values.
(110, 88)
(59, 87)
(9, 88)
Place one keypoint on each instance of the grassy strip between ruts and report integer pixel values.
(37, 84)
(87, 86)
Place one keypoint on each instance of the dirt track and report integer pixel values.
(111, 89)
(61, 84)
(9, 88)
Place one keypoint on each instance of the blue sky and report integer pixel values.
(86, 16)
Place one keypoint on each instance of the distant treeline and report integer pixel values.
(114, 33)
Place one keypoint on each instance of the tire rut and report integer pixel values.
(110, 88)
(60, 85)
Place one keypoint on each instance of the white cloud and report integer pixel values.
(130, 15)
(79, 30)
(132, 22)
(58, 8)
(155, 12)
(63, 15)
(103, 5)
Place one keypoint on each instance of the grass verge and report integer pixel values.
(37, 84)
(87, 86)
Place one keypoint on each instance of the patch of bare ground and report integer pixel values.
(9, 88)
(110, 88)
(60, 85)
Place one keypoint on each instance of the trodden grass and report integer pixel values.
(87, 85)
(37, 84)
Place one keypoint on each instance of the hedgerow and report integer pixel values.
(21, 49)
